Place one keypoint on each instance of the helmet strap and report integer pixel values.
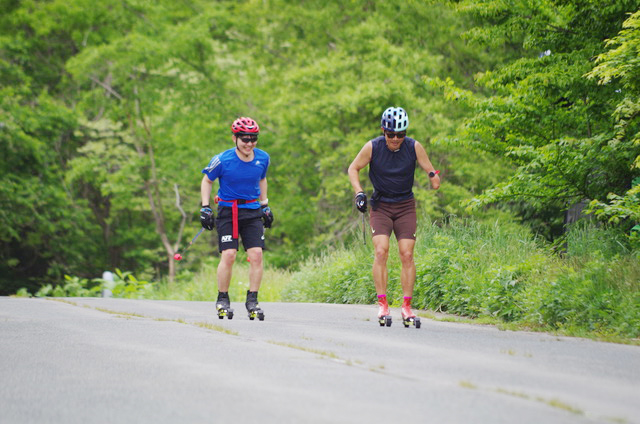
(240, 151)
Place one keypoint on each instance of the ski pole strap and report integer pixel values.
(194, 239)
(234, 211)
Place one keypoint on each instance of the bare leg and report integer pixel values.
(255, 269)
(225, 268)
(380, 274)
(408, 275)
(408, 279)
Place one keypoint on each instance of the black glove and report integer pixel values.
(267, 216)
(361, 202)
(206, 218)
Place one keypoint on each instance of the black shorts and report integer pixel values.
(399, 218)
(250, 228)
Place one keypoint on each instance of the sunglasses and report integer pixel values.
(248, 138)
(395, 134)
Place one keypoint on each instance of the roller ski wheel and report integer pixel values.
(256, 314)
(415, 321)
(225, 312)
(223, 306)
(385, 320)
(253, 308)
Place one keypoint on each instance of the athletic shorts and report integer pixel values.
(250, 228)
(399, 218)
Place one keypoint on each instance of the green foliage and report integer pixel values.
(44, 231)
(588, 300)
(619, 67)
(500, 271)
(198, 286)
(543, 114)
(588, 240)
(201, 285)
(123, 285)
(346, 280)
(594, 290)
(126, 285)
(72, 287)
(473, 269)
(105, 107)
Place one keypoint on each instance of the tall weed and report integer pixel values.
(497, 270)
(202, 286)
(341, 275)
(123, 285)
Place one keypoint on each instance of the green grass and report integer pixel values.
(497, 273)
(490, 273)
(198, 286)
(202, 285)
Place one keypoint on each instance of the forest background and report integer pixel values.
(109, 111)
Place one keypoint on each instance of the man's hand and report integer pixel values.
(206, 218)
(361, 201)
(267, 216)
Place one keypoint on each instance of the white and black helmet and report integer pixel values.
(394, 119)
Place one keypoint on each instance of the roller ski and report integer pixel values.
(223, 306)
(384, 316)
(408, 317)
(253, 308)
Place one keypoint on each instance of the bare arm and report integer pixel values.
(263, 191)
(362, 159)
(425, 163)
(205, 190)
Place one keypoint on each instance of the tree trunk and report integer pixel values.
(574, 213)
(144, 147)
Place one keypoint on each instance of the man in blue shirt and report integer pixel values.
(243, 211)
(392, 160)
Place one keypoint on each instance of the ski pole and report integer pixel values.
(364, 231)
(178, 256)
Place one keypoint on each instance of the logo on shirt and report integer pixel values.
(226, 239)
(214, 162)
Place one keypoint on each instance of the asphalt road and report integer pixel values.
(138, 361)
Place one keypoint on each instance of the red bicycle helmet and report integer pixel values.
(244, 125)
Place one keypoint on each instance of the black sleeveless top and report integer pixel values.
(391, 173)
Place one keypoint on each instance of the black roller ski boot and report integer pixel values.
(253, 308)
(223, 306)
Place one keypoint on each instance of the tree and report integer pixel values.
(145, 82)
(553, 123)
(46, 228)
(619, 66)
(130, 100)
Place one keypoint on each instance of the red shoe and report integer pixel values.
(408, 317)
(384, 316)
(383, 307)
(406, 309)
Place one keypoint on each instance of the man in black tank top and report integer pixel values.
(392, 160)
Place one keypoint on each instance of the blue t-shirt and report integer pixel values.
(239, 180)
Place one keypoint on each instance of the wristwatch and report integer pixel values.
(433, 174)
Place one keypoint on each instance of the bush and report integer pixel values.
(338, 276)
(124, 285)
(201, 285)
(500, 271)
